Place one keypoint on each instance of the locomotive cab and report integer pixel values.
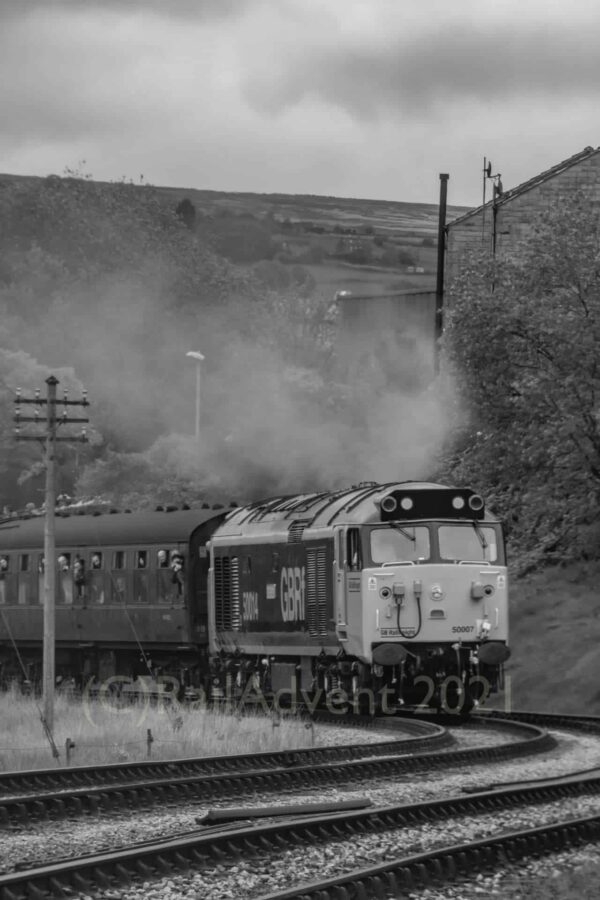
(424, 606)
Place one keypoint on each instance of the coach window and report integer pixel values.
(118, 582)
(353, 554)
(140, 577)
(24, 580)
(64, 579)
(5, 587)
(79, 577)
(165, 589)
(96, 582)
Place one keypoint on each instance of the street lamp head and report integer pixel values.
(195, 355)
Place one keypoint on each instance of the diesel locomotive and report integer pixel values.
(380, 593)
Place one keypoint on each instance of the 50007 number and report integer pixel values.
(463, 629)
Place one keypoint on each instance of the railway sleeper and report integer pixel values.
(144, 869)
(81, 882)
(122, 872)
(102, 877)
(183, 862)
(164, 864)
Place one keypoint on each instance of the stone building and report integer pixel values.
(503, 223)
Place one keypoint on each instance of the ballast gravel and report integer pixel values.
(38, 843)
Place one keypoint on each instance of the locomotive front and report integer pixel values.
(431, 625)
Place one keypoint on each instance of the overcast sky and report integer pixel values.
(355, 98)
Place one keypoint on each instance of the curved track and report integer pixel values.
(333, 765)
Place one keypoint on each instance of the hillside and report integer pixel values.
(360, 245)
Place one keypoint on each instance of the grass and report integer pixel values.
(105, 732)
(331, 277)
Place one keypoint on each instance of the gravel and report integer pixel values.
(239, 881)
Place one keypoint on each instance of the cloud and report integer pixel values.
(187, 9)
(410, 72)
(353, 97)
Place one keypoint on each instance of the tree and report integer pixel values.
(187, 213)
(522, 337)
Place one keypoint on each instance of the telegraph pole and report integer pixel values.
(49, 438)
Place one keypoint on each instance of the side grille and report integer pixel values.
(227, 593)
(296, 530)
(316, 592)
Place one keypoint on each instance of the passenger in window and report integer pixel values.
(162, 560)
(141, 563)
(41, 565)
(177, 569)
(63, 563)
(79, 571)
(96, 561)
(3, 566)
(79, 575)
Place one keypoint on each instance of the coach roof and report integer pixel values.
(108, 529)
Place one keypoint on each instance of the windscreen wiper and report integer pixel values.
(407, 534)
(481, 536)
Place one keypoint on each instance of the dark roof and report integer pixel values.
(108, 529)
(528, 185)
(320, 510)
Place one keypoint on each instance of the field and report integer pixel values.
(364, 246)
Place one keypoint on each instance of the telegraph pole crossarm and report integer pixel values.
(49, 438)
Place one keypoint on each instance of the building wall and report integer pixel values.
(516, 216)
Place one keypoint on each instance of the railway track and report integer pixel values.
(284, 771)
(415, 735)
(226, 843)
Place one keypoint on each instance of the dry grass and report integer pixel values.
(104, 732)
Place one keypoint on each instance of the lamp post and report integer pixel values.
(194, 354)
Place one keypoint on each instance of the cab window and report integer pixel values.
(468, 543)
(353, 554)
(406, 543)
